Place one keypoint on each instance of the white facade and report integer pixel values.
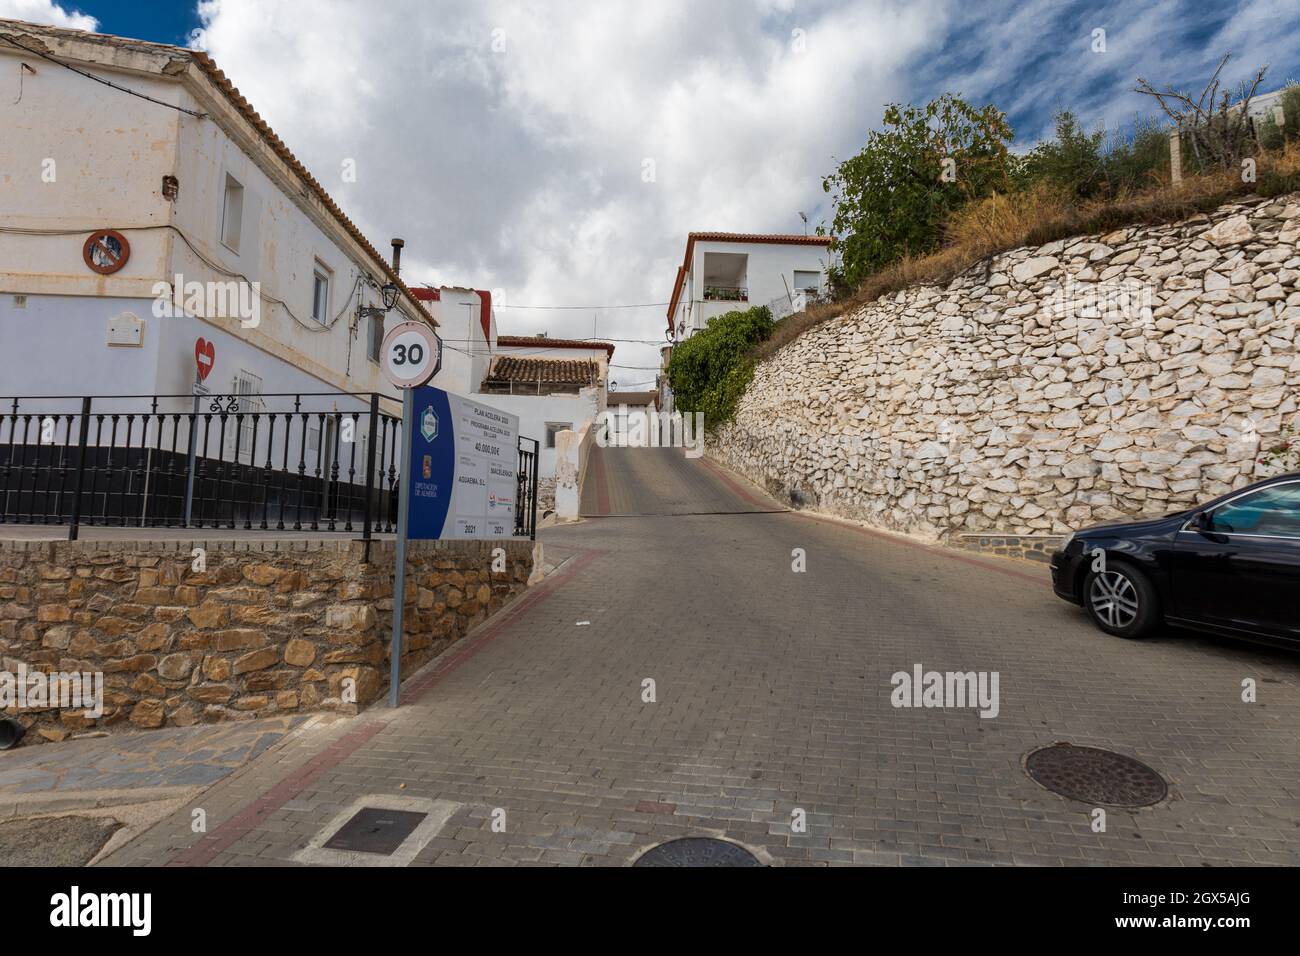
(725, 272)
(86, 157)
(536, 412)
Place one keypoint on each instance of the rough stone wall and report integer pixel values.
(268, 627)
(1045, 389)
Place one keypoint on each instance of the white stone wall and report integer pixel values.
(1045, 389)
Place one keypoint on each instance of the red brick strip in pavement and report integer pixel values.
(246, 820)
(734, 485)
(496, 625)
(895, 539)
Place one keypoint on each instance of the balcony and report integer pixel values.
(725, 293)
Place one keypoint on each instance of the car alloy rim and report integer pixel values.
(1114, 599)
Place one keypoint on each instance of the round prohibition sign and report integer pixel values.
(106, 251)
(412, 354)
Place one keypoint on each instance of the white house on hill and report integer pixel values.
(723, 272)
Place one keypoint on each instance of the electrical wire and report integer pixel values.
(100, 79)
(312, 326)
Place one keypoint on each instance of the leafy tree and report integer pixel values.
(892, 198)
(1072, 162)
(710, 371)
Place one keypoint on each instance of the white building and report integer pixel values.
(723, 272)
(157, 227)
(553, 385)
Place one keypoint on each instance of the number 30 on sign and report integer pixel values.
(412, 354)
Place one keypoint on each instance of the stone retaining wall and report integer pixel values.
(267, 627)
(1045, 389)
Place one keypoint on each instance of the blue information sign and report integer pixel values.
(461, 468)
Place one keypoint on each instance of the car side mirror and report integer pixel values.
(1201, 522)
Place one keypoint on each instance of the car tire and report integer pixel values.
(1121, 601)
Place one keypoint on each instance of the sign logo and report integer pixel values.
(429, 424)
(428, 467)
(492, 500)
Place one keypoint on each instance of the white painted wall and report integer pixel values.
(111, 152)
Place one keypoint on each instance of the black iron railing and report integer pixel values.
(283, 461)
(307, 461)
(526, 495)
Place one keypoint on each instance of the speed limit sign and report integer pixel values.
(412, 354)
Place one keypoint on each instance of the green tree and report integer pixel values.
(892, 198)
(1071, 162)
(710, 371)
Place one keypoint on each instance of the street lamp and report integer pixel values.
(390, 293)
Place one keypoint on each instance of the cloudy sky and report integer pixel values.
(559, 152)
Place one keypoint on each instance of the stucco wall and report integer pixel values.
(1049, 388)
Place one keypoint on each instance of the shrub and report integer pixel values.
(710, 371)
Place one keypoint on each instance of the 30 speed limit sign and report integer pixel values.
(411, 354)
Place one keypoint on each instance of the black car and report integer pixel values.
(1231, 566)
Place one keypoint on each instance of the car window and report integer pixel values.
(1274, 511)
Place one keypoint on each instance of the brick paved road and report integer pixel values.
(773, 694)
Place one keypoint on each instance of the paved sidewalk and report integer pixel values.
(129, 767)
(772, 696)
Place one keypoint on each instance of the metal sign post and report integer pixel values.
(399, 581)
(411, 355)
(203, 349)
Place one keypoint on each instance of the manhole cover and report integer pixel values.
(697, 851)
(374, 830)
(1095, 776)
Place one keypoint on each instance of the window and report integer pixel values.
(247, 388)
(554, 428)
(232, 214)
(807, 281)
(1273, 511)
(376, 336)
(320, 295)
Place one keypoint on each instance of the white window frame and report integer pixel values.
(232, 213)
(559, 427)
(321, 273)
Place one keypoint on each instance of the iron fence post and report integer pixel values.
(75, 518)
(537, 460)
(370, 472)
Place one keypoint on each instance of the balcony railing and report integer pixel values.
(726, 293)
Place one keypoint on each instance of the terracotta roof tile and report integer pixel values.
(548, 371)
(541, 341)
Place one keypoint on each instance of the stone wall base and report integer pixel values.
(1032, 547)
(254, 628)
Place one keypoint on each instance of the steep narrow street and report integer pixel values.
(771, 704)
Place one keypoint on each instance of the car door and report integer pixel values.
(1238, 564)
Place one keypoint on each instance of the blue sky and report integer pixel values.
(558, 152)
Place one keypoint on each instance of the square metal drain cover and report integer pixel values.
(375, 830)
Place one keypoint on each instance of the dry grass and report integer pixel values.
(1037, 217)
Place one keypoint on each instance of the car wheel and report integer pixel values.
(1121, 601)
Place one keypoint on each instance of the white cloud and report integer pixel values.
(48, 12)
(506, 141)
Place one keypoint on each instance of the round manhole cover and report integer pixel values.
(1095, 776)
(697, 851)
